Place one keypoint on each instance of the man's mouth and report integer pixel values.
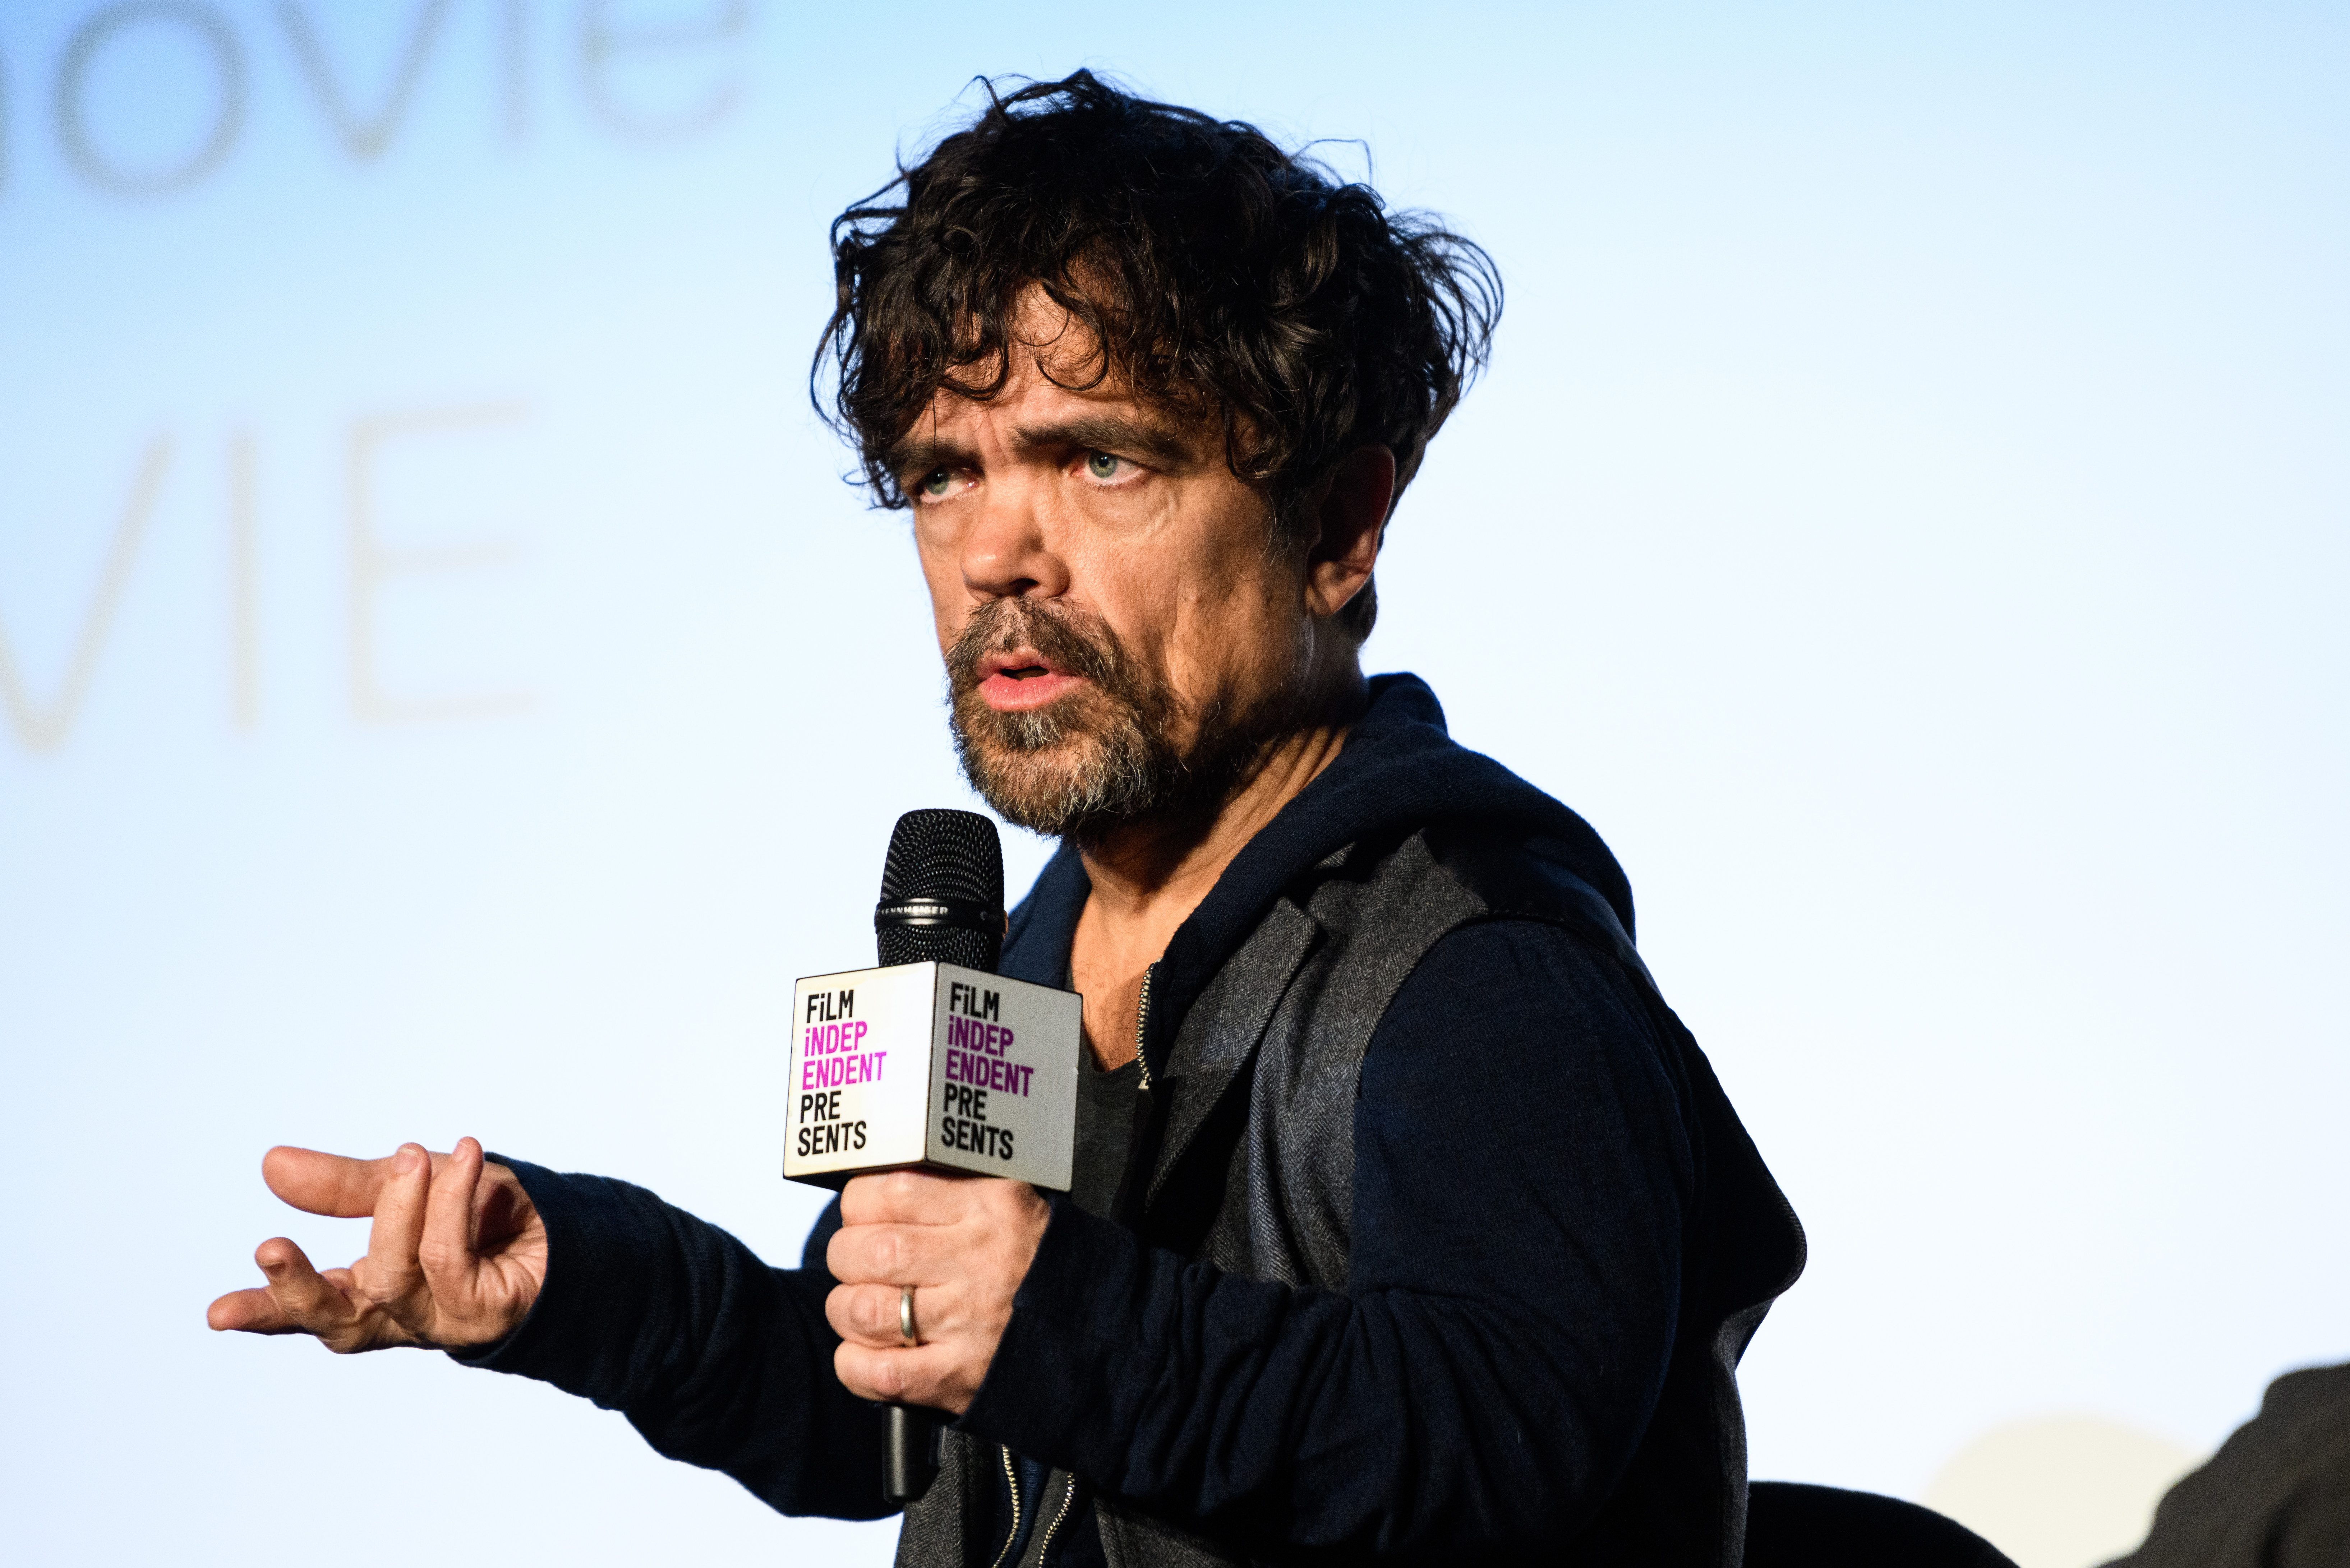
(1020, 679)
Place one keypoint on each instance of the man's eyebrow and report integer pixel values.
(920, 453)
(1109, 432)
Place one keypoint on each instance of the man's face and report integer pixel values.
(1119, 641)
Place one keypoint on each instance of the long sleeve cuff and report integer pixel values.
(605, 1250)
(1052, 1391)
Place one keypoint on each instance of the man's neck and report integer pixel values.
(1148, 877)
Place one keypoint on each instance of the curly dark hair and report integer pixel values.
(1216, 274)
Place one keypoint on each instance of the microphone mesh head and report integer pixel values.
(950, 855)
(942, 853)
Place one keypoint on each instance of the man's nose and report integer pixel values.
(1008, 553)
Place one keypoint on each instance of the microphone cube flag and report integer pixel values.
(931, 1064)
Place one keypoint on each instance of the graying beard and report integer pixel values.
(1125, 778)
(1132, 776)
(1124, 771)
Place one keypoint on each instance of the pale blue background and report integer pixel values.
(1906, 515)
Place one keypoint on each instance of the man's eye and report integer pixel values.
(1102, 466)
(938, 482)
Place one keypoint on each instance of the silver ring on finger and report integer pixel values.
(905, 1334)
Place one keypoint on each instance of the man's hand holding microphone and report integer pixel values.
(964, 1243)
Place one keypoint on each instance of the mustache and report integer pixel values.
(1071, 640)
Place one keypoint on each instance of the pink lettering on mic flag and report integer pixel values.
(829, 1057)
(975, 1055)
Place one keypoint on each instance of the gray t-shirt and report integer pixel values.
(1104, 1133)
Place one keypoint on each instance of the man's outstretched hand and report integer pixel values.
(455, 1257)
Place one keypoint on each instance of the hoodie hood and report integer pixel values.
(1398, 771)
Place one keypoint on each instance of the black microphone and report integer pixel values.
(941, 902)
(941, 891)
(932, 1061)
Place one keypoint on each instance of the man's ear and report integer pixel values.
(1350, 513)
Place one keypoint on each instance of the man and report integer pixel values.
(1408, 1223)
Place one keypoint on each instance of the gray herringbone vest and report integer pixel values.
(1285, 1024)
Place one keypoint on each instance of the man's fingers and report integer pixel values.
(382, 1299)
(392, 1273)
(321, 1183)
(925, 1376)
(305, 1300)
(869, 1313)
(446, 1248)
(248, 1312)
(906, 1197)
(890, 1254)
(965, 1252)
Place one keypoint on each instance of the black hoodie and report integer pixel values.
(1527, 1170)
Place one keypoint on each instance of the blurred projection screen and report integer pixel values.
(1906, 515)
